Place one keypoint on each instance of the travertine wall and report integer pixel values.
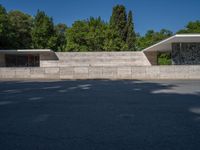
(89, 72)
(96, 59)
(99, 65)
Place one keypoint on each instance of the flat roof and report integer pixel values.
(26, 51)
(165, 45)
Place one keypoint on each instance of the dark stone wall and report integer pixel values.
(186, 53)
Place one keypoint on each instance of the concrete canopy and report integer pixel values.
(166, 45)
(26, 51)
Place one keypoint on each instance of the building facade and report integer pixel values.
(184, 49)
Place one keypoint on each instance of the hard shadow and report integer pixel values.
(100, 114)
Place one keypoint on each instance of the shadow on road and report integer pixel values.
(100, 114)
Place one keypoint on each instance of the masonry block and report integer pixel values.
(95, 72)
(7, 73)
(167, 72)
(66, 73)
(49, 63)
(81, 72)
(22, 73)
(181, 72)
(124, 73)
(37, 73)
(194, 72)
(138, 72)
(109, 73)
(52, 73)
(153, 72)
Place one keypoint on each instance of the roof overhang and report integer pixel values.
(166, 45)
(26, 51)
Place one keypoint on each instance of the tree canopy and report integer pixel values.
(152, 37)
(19, 30)
(43, 31)
(4, 29)
(21, 25)
(191, 27)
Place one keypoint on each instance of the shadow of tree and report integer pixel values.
(100, 114)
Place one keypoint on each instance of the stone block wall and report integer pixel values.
(96, 59)
(100, 65)
(134, 72)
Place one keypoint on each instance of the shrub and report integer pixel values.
(164, 59)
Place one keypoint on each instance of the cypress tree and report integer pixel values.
(5, 34)
(118, 21)
(131, 36)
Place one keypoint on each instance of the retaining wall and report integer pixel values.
(99, 72)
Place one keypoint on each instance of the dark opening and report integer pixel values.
(22, 60)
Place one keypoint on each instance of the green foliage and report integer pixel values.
(96, 34)
(131, 36)
(86, 35)
(113, 41)
(4, 29)
(164, 59)
(21, 31)
(152, 37)
(21, 25)
(191, 27)
(60, 30)
(77, 36)
(120, 35)
(43, 31)
(118, 21)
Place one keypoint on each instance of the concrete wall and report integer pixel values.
(140, 72)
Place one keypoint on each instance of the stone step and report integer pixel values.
(63, 64)
(101, 60)
(88, 55)
(104, 58)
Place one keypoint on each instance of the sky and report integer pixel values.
(148, 14)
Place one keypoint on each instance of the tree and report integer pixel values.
(191, 27)
(4, 29)
(131, 36)
(60, 30)
(116, 34)
(118, 21)
(96, 34)
(76, 36)
(21, 25)
(43, 33)
(113, 42)
(86, 35)
(152, 37)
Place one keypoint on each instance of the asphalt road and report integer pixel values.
(100, 115)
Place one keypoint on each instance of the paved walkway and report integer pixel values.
(100, 115)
